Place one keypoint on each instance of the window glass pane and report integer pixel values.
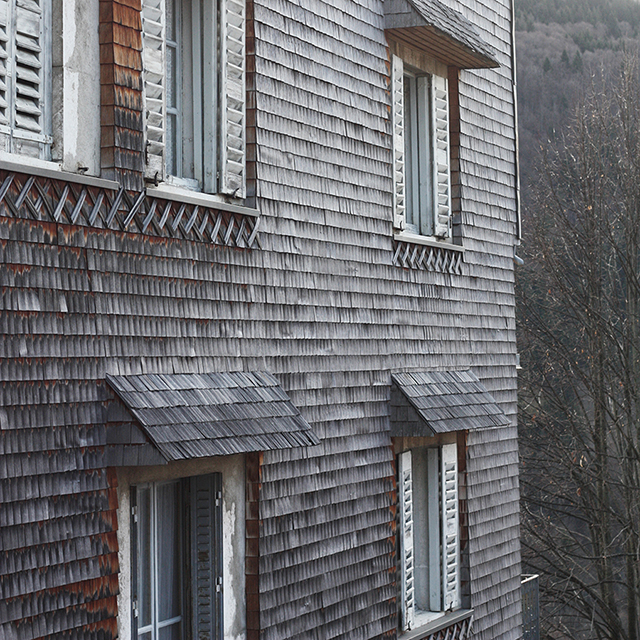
(145, 636)
(170, 148)
(144, 557)
(168, 553)
(172, 632)
(171, 77)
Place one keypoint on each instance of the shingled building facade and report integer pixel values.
(258, 338)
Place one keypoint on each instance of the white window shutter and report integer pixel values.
(407, 561)
(153, 56)
(5, 60)
(29, 61)
(232, 98)
(442, 179)
(450, 528)
(397, 125)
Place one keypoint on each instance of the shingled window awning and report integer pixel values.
(200, 415)
(432, 402)
(439, 31)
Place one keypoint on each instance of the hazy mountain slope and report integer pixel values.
(561, 46)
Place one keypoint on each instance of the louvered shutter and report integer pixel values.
(407, 560)
(206, 556)
(153, 61)
(5, 56)
(29, 59)
(450, 528)
(442, 180)
(232, 98)
(397, 124)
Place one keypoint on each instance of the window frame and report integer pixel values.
(421, 145)
(199, 506)
(441, 574)
(213, 96)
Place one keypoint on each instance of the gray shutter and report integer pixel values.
(153, 62)
(450, 528)
(232, 98)
(5, 60)
(206, 556)
(29, 57)
(397, 125)
(442, 180)
(407, 562)
(205, 98)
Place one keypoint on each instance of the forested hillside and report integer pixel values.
(578, 298)
(562, 45)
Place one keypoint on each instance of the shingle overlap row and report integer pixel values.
(213, 414)
(444, 401)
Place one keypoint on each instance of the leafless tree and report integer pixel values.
(579, 311)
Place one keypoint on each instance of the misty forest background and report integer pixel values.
(560, 46)
(579, 313)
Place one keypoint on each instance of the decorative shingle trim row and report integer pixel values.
(427, 257)
(90, 203)
(453, 626)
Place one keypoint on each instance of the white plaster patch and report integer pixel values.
(80, 58)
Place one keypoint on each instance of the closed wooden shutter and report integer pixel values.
(232, 98)
(407, 560)
(206, 556)
(397, 124)
(5, 61)
(450, 528)
(25, 76)
(28, 56)
(153, 56)
(442, 180)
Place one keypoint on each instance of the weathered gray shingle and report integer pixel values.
(439, 29)
(213, 414)
(429, 402)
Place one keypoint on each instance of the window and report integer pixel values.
(176, 551)
(25, 77)
(194, 85)
(422, 184)
(429, 534)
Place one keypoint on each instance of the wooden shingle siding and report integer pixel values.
(316, 301)
(121, 92)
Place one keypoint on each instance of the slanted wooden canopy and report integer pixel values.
(432, 402)
(439, 31)
(200, 415)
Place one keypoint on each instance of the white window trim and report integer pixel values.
(443, 559)
(406, 236)
(232, 469)
(211, 200)
(430, 192)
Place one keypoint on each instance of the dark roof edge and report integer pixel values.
(434, 20)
